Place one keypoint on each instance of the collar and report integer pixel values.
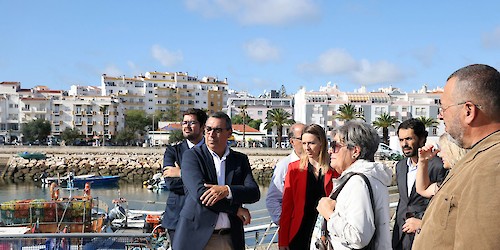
(191, 144)
(410, 164)
(226, 152)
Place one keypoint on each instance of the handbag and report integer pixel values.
(323, 242)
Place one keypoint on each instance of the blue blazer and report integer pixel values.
(413, 203)
(197, 221)
(176, 197)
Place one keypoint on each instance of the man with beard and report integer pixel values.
(464, 213)
(193, 124)
(411, 207)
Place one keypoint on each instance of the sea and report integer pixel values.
(137, 196)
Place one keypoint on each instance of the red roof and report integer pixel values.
(239, 127)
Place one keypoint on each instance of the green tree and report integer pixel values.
(37, 129)
(348, 112)
(124, 137)
(428, 121)
(175, 136)
(136, 120)
(70, 135)
(255, 123)
(244, 115)
(278, 118)
(385, 121)
(283, 92)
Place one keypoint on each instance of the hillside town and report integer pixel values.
(99, 111)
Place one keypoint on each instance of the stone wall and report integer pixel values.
(128, 167)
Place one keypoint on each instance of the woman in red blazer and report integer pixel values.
(307, 180)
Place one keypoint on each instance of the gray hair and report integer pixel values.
(356, 133)
(225, 117)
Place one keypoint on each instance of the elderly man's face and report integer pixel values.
(450, 113)
(216, 134)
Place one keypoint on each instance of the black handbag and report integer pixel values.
(323, 243)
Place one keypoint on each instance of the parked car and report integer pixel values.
(386, 152)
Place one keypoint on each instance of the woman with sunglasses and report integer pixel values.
(352, 222)
(307, 180)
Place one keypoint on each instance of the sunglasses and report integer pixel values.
(335, 146)
(215, 130)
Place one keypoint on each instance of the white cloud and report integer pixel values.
(274, 12)
(491, 40)
(335, 62)
(378, 72)
(165, 57)
(261, 50)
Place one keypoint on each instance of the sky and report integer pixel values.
(258, 45)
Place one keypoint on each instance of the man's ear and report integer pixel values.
(471, 112)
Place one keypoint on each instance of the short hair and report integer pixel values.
(480, 84)
(361, 134)
(324, 157)
(417, 126)
(292, 128)
(222, 115)
(201, 116)
(453, 152)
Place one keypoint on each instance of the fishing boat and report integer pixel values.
(32, 155)
(78, 181)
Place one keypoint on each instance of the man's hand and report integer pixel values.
(326, 206)
(172, 171)
(214, 194)
(412, 225)
(244, 215)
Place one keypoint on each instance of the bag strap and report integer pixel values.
(333, 196)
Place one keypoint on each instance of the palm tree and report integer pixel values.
(428, 121)
(103, 110)
(385, 121)
(278, 117)
(243, 114)
(348, 112)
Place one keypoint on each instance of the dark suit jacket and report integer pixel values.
(176, 196)
(415, 203)
(197, 221)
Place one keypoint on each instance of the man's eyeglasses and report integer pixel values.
(215, 130)
(189, 123)
(335, 146)
(441, 110)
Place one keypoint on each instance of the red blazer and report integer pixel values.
(294, 198)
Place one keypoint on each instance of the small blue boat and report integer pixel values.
(96, 180)
(35, 155)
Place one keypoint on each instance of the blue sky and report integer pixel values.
(257, 44)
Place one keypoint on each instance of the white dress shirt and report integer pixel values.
(220, 168)
(411, 176)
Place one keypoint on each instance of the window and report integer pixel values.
(259, 112)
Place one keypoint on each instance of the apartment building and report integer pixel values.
(321, 106)
(98, 111)
(166, 91)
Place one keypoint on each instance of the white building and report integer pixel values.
(165, 91)
(321, 106)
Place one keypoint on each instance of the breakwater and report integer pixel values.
(132, 164)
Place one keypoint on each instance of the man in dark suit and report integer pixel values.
(193, 124)
(217, 181)
(411, 207)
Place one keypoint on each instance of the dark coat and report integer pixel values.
(176, 196)
(415, 203)
(197, 221)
